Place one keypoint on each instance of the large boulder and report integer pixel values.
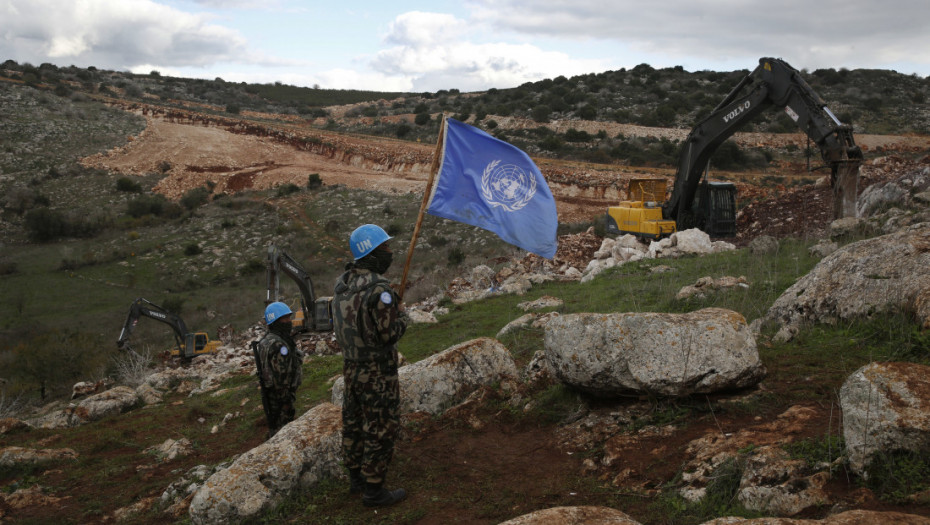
(886, 273)
(609, 516)
(852, 517)
(574, 516)
(670, 354)
(886, 408)
(441, 380)
(303, 453)
(112, 402)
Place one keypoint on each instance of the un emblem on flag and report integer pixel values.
(507, 186)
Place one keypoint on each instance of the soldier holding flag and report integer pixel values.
(368, 320)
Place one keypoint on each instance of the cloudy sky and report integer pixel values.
(471, 45)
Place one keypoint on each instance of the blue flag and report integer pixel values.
(488, 183)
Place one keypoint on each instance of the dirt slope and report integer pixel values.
(192, 149)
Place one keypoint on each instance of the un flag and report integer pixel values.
(486, 182)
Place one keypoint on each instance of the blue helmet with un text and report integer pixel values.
(275, 311)
(365, 239)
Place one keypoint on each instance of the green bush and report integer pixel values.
(195, 198)
(128, 185)
(45, 224)
(146, 205)
(192, 249)
(456, 256)
(541, 113)
(421, 119)
(287, 189)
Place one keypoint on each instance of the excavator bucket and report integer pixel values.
(845, 189)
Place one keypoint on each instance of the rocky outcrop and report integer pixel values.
(441, 380)
(114, 401)
(10, 456)
(302, 453)
(770, 481)
(708, 285)
(886, 408)
(668, 354)
(886, 273)
(614, 252)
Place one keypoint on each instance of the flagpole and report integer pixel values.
(434, 167)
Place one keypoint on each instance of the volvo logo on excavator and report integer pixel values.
(736, 111)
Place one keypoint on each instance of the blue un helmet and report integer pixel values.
(365, 239)
(275, 311)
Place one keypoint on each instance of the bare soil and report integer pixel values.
(191, 149)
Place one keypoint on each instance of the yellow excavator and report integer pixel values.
(315, 313)
(694, 201)
(189, 344)
(641, 214)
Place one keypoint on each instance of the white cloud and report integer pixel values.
(827, 33)
(114, 34)
(433, 51)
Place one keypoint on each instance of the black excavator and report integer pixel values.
(189, 344)
(696, 202)
(315, 313)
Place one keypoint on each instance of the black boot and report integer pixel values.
(378, 496)
(356, 481)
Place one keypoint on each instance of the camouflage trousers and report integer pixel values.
(280, 409)
(370, 416)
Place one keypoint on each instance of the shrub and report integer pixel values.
(146, 205)
(456, 256)
(128, 185)
(421, 119)
(192, 249)
(287, 189)
(314, 181)
(45, 224)
(195, 197)
(173, 304)
(233, 109)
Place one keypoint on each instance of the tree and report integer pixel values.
(541, 113)
(52, 362)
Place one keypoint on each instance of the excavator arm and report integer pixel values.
(144, 308)
(773, 83)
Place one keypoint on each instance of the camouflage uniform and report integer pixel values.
(281, 376)
(368, 324)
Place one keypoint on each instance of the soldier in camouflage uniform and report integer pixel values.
(368, 321)
(280, 367)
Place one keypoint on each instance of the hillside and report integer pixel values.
(122, 191)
